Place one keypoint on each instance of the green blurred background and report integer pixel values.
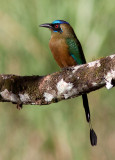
(58, 131)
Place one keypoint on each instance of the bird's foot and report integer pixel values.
(67, 69)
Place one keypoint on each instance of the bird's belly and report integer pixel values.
(61, 53)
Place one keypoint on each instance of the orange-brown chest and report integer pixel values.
(60, 51)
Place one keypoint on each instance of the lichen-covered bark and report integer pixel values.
(68, 83)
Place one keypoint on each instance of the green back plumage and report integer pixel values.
(75, 50)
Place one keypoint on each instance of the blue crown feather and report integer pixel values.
(60, 22)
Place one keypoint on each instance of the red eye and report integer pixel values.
(56, 26)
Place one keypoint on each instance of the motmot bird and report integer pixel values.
(67, 51)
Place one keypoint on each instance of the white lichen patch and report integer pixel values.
(9, 96)
(98, 64)
(70, 93)
(94, 84)
(63, 87)
(48, 97)
(108, 85)
(112, 56)
(6, 76)
(91, 64)
(108, 78)
(76, 68)
(95, 63)
(33, 103)
(24, 97)
(70, 76)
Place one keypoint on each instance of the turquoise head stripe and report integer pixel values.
(60, 22)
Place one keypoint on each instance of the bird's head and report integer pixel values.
(59, 28)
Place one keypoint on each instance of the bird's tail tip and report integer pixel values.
(93, 137)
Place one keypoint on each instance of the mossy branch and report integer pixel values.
(68, 83)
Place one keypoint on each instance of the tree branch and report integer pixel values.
(68, 83)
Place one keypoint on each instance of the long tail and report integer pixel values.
(93, 137)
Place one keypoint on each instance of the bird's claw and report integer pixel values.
(67, 69)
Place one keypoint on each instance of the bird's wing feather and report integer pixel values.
(75, 50)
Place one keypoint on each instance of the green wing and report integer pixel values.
(76, 51)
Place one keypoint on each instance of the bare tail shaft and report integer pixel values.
(93, 137)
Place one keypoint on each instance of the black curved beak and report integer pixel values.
(46, 25)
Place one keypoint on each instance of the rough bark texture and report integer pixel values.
(68, 83)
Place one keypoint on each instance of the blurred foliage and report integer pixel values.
(58, 131)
